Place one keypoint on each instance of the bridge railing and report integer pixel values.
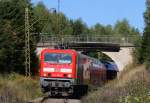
(123, 41)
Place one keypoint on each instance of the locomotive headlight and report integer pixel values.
(66, 70)
(48, 69)
(45, 83)
(45, 74)
(69, 75)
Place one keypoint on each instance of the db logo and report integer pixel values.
(57, 70)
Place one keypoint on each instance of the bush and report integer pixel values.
(16, 88)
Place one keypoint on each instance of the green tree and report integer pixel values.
(109, 30)
(122, 28)
(145, 48)
(42, 15)
(78, 27)
(64, 25)
(12, 16)
(51, 22)
(99, 29)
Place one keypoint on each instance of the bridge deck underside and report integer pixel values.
(90, 46)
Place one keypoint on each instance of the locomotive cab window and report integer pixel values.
(58, 58)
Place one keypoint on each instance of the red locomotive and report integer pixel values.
(67, 72)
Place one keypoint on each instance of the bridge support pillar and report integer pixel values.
(121, 58)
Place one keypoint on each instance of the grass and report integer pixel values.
(131, 87)
(15, 88)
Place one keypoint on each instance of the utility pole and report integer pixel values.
(27, 43)
(58, 6)
(59, 19)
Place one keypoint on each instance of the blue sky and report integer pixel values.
(101, 11)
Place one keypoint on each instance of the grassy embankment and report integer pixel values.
(132, 86)
(16, 88)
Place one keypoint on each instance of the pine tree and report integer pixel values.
(79, 28)
(145, 48)
(122, 28)
(12, 34)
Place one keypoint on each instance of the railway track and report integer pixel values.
(54, 100)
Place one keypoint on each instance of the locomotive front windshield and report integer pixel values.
(60, 58)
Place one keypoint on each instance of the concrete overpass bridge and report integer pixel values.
(117, 48)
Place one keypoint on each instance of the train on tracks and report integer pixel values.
(68, 72)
